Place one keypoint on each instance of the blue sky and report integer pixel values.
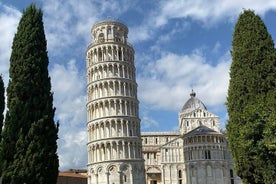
(180, 45)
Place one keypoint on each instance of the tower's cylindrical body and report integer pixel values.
(113, 124)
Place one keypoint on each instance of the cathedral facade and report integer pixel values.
(196, 154)
(118, 153)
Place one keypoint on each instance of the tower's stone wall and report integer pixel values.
(113, 124)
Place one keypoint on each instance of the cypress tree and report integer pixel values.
(251, 100)
(2, 108)
(29, 144)
(2, 104)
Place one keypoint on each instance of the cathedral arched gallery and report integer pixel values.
(118, 153)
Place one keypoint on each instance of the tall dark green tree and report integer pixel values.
(251, 101)
(2, 104)
(2, 108)
(29, 142)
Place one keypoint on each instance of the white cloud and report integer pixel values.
(9, 19)
(164, 82)
(72, 149)
(178, 28)
(64, 26)
(141, 33)
(68, 85)
(207, 12)
(67, 22)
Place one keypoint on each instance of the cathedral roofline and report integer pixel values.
(192, 104)
(201, 130)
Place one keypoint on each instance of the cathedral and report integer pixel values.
(196, 154)
(118, 153)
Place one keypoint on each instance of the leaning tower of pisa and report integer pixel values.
(113, 124)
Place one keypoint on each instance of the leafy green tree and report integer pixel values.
(29, 143)
(251, 101)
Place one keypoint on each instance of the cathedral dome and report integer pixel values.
(192, 104)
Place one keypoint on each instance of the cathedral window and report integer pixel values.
(207, 154)
(231, 176)
(156, 140)
(120, 55)
(146, 141)
(231, 173)
(99, 55)
(187, 123)
(190, 155)
(179, 177)
(179, 174)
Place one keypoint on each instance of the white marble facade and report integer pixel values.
(196, 154)
(114, 138)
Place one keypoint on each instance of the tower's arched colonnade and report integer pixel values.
(113, 124)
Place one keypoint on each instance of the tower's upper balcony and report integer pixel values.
(109, 31)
